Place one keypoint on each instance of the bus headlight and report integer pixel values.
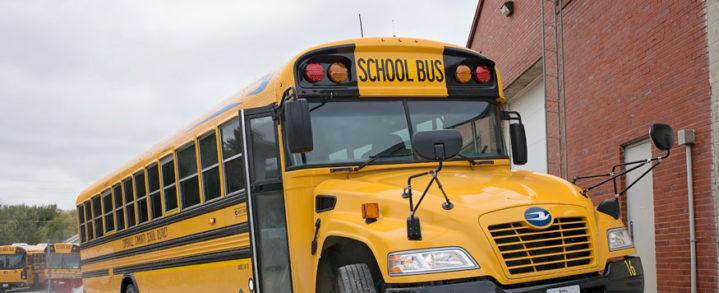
(619, 238)
(433, 260)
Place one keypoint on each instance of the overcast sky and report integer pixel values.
(85, 86)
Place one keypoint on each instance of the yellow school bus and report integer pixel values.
(364, 165)
(62, 269)
(14, 268)
(36, 264)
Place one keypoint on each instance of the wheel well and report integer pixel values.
(127, 281)
(340, 251)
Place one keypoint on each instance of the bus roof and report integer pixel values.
(33, 249)
(11, 249)
(263, 92)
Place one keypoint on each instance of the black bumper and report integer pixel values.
(623, 276)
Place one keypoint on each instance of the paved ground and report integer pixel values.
(26, 290)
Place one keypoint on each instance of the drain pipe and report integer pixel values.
(686, 137)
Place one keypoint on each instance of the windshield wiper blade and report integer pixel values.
(383, 154)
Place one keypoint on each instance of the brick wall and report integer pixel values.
(626, 64)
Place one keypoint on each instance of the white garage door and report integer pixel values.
(530, 104)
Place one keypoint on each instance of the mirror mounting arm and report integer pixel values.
(511, 115)
(613, 176)
(278, 110)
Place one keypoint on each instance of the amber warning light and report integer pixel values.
(370, 212)
(464, 73)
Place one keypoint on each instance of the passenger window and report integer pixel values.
(129, 202)
(97, 215)
(168, 183)
(153, 184)
(265, 160)
(210, 167)
(119, 215)
(88, 221)
(107, 210)
(189, 186)
(81, 223)
(141, 198)
(232, 161)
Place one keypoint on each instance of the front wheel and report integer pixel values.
(355, 278)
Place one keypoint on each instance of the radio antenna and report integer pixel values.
(394, 34)
(360, 22)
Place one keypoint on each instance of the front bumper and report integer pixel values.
(623, 276)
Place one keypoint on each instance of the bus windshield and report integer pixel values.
(63, 261)
(351, 132)
(11, 261)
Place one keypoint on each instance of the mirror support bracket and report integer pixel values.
(278, 110)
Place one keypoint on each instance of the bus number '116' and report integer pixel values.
(381, 69)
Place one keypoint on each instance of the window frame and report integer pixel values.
(89, 229)
(179, 180)
(130, 203)
(115, 187)
(108, 193)
(222, 161)
(138, 199)
(99, 217)
(163, 160)
(81, 221)
(218, 164)
(159, 190)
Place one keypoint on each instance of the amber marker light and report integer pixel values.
(463, 74)
(370, 212)
(338, 72)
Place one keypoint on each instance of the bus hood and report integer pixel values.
(476, 191)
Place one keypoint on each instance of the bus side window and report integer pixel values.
(107, 210)
(187, 168)
(168, 183)
(210, 168)
(88, 221)
(81, 223)
(129, 202)
(232, 161)
(97, 216)
(153, 185)
(141, 201)
(119, 215)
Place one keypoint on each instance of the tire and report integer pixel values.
(130, 288)
(355, 278)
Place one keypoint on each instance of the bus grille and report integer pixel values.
(566, 243)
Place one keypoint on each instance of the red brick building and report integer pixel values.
(589, 77)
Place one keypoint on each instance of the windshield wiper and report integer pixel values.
(475, 162)
(388, 152)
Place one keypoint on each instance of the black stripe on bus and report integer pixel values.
(186, 214)
(185, 240)
(97, 273)
(186, 261)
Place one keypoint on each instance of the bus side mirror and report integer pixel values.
(518, 139)
(298, 126)
(437, 145)
(662, 136)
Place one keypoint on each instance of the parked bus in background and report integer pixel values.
(365, 165)
(36, 265)
(13, 268)
(63, 267)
